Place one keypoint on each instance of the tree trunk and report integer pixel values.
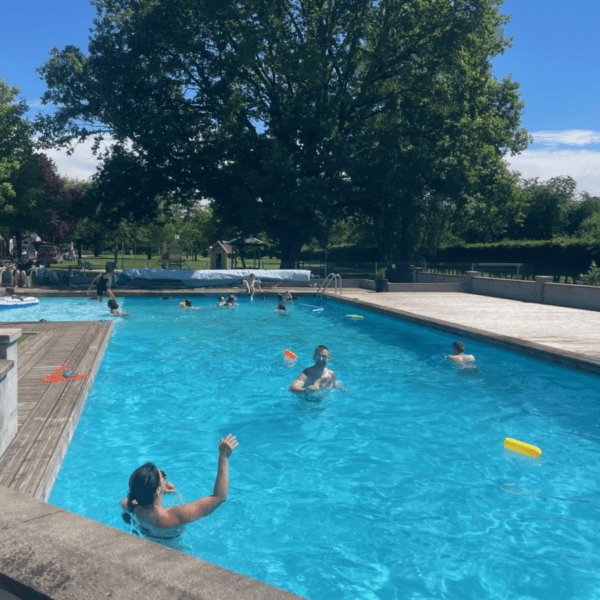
(290, 251)
(79, 248)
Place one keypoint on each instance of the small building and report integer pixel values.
(221, 256)
(173, 258)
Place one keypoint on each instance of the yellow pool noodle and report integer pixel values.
(522, 447)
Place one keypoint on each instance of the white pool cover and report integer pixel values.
(217, 277)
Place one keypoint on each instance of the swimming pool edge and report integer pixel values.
(563, 358)
(48, 552)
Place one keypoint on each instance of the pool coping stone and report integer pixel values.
(64, 556)
(563, 358)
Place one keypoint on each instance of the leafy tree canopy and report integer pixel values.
(290, 114)
(15, 134)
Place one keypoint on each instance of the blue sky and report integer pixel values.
(555, 58)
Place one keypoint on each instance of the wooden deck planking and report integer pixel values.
(61, 415)
(42, 430)
(48, 412)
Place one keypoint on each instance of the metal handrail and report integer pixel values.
(331, 277)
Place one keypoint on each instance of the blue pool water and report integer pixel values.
(400, 489)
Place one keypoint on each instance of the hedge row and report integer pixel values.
(343, 253)
(570, 257)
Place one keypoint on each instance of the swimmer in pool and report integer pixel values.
(231, 300)
(281, 309)
(188, 304)
(113, 305)
(317, 377)
(458, 354)
(147, 485)
(222, 301)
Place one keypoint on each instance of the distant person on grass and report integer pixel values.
(147, 485)
(317, 377)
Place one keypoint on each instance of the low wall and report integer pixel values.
(427, 287)
(542, 290)
(512, 289)
(573, 296)
(8, 386)
(423, 277)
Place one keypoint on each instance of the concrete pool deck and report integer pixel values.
(569, 337)
(47, 552)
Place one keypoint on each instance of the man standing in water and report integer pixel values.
(317, 377)
(458, 354)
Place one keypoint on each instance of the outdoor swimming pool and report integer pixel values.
(399, 489)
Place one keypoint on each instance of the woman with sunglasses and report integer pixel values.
(147, 485)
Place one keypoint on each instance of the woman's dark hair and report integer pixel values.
(281, 306)
(112, 304)
(188, 302)
(142, 485)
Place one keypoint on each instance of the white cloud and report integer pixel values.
(569, 137)
(82, 164)
(582, 165)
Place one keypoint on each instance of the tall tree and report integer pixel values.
(15, 146)
(278, 110)
(547, 209)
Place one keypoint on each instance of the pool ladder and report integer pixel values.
(331, 277)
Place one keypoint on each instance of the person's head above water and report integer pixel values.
(231, 298)
(188, 302)
(221, 298)
(112, 304)
(144, 485)
(321, 355)
(458, 348)
(281, 306)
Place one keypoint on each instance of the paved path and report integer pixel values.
(564, 329)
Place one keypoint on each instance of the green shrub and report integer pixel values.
(592, 277)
